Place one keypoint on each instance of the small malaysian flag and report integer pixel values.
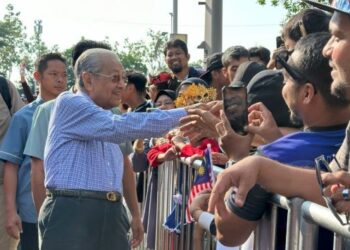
(203, 180)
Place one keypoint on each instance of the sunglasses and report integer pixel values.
(322, 165)
(292, 71)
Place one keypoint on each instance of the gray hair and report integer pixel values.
(90, 61)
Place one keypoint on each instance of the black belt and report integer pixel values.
(100, 195)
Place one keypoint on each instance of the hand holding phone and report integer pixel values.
(236, 107)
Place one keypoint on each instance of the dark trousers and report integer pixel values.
(73, 223)
(29, 237)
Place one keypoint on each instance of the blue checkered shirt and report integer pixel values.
(81, 150)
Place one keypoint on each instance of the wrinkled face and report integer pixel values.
(338, 51)
(105, 87)
(164, 102)
(176, 59)
(230, 70)
(53, 81)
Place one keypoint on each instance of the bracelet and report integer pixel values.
(205, 220)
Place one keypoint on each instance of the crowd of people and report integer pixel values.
(71, 159)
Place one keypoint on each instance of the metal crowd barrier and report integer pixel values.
(303, 219)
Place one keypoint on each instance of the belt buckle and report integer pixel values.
(111, 196)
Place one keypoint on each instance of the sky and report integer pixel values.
(65, 22)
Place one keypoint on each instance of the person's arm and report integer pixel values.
(244, 175)
(24, 83)
(13, 221)
(37, 182)
(130, 196)
(74, 113)
(271, 175)
(160, 153)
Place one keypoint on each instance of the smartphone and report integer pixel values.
(279, 42)
(236, 107)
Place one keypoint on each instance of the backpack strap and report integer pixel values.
(5, 92)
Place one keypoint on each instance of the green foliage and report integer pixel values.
(67, 54)
(292, 6)
(16, 48)
(12, 38)
(145, 56)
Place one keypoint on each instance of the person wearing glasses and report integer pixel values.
(307, 82)
(83, 164)
(285, 179)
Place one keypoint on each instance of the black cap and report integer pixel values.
(245, 72)
(342, 6)
(166, 92)
(292, 71)
(266, 87)
(213, 62)
(191, 80)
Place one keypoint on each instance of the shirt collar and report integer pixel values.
(82, 93)
(39, 100)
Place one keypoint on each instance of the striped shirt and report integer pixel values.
(82, 151)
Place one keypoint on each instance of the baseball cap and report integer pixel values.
(245, 72)
(342, 6)
(213, 62)
(266, 87)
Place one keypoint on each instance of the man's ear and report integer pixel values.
(188, 56)
(308, 92)
(37, 76)
(87, 80)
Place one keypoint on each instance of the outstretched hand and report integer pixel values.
(235, 146)
(199, 122)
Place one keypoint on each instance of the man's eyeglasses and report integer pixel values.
(115, 78)
(322, 165)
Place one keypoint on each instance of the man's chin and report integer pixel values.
(176, 69)
(341, 89)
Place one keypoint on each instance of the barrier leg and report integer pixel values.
(265, 233)
(308, 235)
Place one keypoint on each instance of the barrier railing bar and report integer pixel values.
(322, 216)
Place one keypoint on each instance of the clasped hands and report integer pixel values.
(212, 123)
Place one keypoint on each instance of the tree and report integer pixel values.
(12, 37)
(145, 56)
(292, 6)
(132, 56)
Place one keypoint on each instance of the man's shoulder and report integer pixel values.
(69, 97)
(25, 111)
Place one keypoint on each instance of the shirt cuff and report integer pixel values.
(5, 156)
